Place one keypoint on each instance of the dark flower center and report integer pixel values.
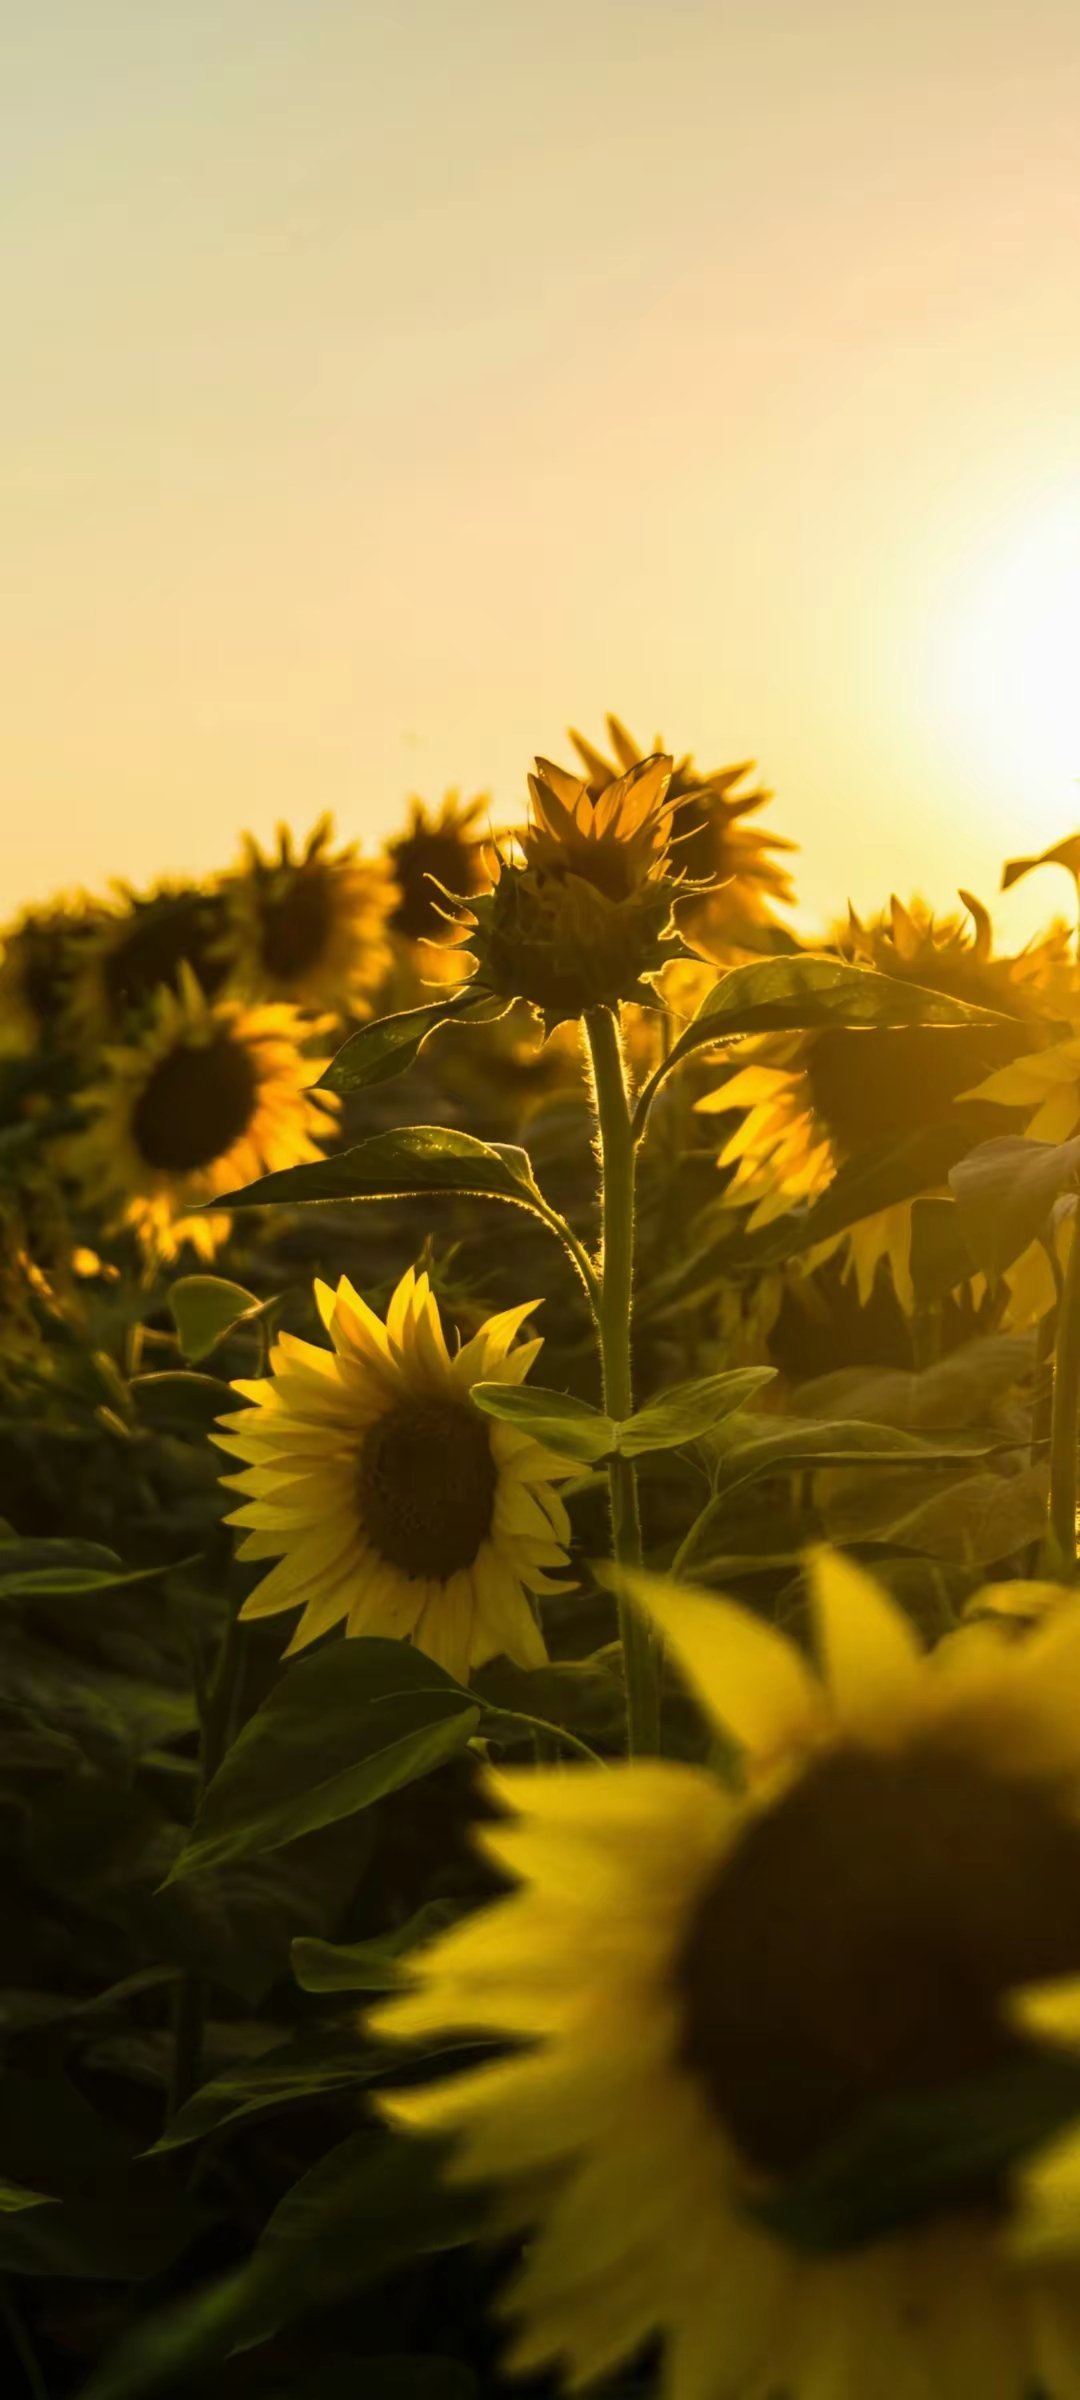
(454, 863)
(197, 1103)
(160, 938)
(296, 925)
(859, 1940)
(869, 1086)
(426, 1485)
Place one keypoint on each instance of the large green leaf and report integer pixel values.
(394, 1166)
(798, 994)
(340, 1729)
(922, 2153)
(554, 1418)
(688, 1410)
(301, 2070)
(59, 1570)
(175, 1402)
(786, 1445)
(373, 2203)
(939, 1257)
(388, 1047)
(1005, 1192)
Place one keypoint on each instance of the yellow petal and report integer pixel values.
(750, 1678)
(870, 1656)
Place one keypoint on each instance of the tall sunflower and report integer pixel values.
(441, 850)
(583, 916)
(397, 1506)
(733, 865)
(810, 1102)
(309, 926)
(143, 941)
(726, 2001)
(207, 1097)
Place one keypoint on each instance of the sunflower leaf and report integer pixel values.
(39, 1569)
(394, 1166)
(1062, 854)
(554, 1418)
(376, 1966)
(387, 1048)
(203, 1309)
(1005, 1192)
(341, 1728)
(798, 994)
(689, 1409)
(15, 2196)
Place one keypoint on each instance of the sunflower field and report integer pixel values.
(539, 1639)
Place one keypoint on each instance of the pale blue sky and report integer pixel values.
(387, 385)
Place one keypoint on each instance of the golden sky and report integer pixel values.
(388, 382)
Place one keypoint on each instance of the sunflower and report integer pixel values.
(734, 865)
(310, 926)
(395, 1504)
(810, 1102)
(586, 916)
(725, 1998)
(210, 1096)
(143, 942)
(38, 955)
(441, 851)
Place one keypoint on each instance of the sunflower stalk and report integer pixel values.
(613, 1314)
(217, 1713)
(1065, 1426)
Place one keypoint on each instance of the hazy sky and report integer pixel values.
(388, 382)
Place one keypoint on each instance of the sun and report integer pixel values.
(1004, 641)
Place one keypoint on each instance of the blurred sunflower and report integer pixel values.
(143, 943)
(209, 1096)
(310, 926)
(812, 1101)
(585, 917)
(734, 864)
(399, 1507)
(748, 2020)
(38, 956)
(440, 851)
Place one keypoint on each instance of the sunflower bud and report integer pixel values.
(587, 915)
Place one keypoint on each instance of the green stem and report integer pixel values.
(191, 1997)
(1065, 1423)
(613, 1312)
(21, 2343)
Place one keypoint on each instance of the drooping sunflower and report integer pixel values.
(395, 1504)
(209, 1096)
(733, 871)
(309, 926)
(748, 2018)
(38, 958)
(141, 943)
(812, 1101)
(441, 850)
(584, 917)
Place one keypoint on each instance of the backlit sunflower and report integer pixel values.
(734, 864)
(777, 2045)
(38, 957)
(398, 1507)
(441, 850)
(586, 916)
(814, 1101)
(310, 926)
(142, 942)
(209, 1096)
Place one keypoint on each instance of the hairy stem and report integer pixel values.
(1065, 1422)
(613, 1311)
